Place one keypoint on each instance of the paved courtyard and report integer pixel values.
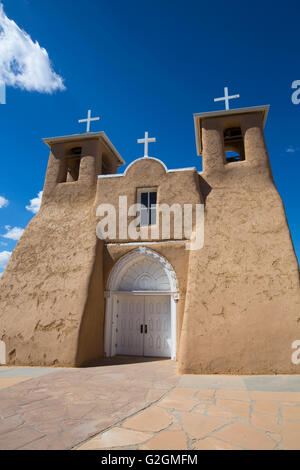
(142, 404)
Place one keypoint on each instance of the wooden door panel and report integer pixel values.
(157, 340)
(131, 313)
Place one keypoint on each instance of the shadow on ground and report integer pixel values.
(121, 360)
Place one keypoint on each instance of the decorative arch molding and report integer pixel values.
(162, 274)
(139, 272)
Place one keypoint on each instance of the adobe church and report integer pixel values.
(68, 298)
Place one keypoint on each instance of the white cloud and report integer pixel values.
(35, 203)
(14, 233)
(23, 63)
(3, 202)
(291, 149)
(4, 257)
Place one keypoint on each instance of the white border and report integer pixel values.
(192, 168)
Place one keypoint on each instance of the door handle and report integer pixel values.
(142, 329)
(146, 329)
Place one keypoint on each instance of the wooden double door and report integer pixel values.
(144, 325)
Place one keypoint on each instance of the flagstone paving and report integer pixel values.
(57, 409)
(215, 413)
(141, 404)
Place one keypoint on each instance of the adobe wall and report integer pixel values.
(45, 307)
(181, 187)
(242, 305)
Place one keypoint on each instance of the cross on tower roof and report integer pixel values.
(89, 120)
(146, 141)
(226, 98)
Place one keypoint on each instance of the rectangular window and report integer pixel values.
(148, 199)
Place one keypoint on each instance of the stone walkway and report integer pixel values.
(144, 405)
(57, 409)
(213, 413)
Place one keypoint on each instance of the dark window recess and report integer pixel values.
(148, 201)
(72, 165)
(73, 169)
(76, 151)
(234, 145)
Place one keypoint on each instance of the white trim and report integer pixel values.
(138, 292)
(110, 176)
(173, 327)
(145, 158)
(192, 168)
(130, 258)
(112, 294)
(225, 112)
(140, 191)
(150, 209)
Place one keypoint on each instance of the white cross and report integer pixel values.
(226, 98)
(146, 141)
(89, 120)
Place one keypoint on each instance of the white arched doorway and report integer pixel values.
(141, 301)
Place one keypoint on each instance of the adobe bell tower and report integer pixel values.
(52, 295)
(74, 164)
(232, 139)
(242, 302)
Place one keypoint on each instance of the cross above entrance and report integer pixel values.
(89, 120)
(146, 141)
(226, 98)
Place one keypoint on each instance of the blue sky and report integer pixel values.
(148, 65)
